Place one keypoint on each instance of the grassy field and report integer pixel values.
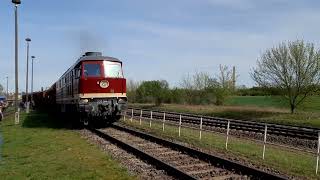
(294, 163)
(39, 148)
(255, 108)
(258, 101)
(311, 104)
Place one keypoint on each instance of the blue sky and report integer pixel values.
(155, 39)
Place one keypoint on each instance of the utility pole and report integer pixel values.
(16, 3)
(32, 59)
(7, 89)
(28, 40)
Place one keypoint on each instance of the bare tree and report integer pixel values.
(132, 87)
(187, 82)
(293, 67)
(226, 78)
(201, 80)
(201, 86)
(223, 85)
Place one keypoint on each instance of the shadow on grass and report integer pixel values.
(43, 119)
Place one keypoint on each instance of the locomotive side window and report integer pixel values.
(112, 69)
(91, 70)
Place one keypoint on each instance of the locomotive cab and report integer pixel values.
(94, 87)
(102, 89)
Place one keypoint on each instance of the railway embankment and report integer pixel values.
(40, 148)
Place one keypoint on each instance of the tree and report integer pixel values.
(223, 85)
(153, 91)
(202, 88)
(293, 67)
(195, 87)
(132, 87)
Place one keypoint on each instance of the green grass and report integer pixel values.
(39, 148)
(259, 101)
(311, 104)
(298, 164)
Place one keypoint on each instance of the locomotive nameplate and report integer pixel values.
(104, 84)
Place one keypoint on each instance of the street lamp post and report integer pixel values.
(32, 59)
(7, 89)
(16, 3)
(28, 40)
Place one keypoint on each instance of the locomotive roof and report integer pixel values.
(97, 58)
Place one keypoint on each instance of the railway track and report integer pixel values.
(239, 125)
(177, 160)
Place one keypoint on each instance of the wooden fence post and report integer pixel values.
(317, 166)
(227, 138)
(164, 119)
(180, 125)
(131, 114)
(140, 116)
(264, 141)
(200, 128)
(150, 119)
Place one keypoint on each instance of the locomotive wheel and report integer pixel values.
(85, 122)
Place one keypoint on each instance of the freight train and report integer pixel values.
(93, 89)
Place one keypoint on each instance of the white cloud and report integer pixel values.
(191, 48)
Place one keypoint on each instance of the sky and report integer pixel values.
(165, 39)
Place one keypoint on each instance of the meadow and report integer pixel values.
(41, 148)
(269, 109)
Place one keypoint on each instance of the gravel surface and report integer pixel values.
(193, 166)
(226, 155)
(134, 165)
(303, 144)
(306, 144)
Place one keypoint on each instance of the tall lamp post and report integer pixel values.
(7, 88)
(28, 40)
(32, 59)
(16, 3)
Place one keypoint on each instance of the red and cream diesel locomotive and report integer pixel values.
(94, 88)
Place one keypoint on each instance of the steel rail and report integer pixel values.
(241, 125)
(217, 161)
(143, 155)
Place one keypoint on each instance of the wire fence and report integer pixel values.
(198, 124)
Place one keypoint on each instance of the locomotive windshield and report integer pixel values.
(92, 70)
(112, 69)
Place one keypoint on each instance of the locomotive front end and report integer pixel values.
(102, 90)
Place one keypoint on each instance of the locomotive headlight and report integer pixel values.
(122, 100)
(84, 101)
(104, 84)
